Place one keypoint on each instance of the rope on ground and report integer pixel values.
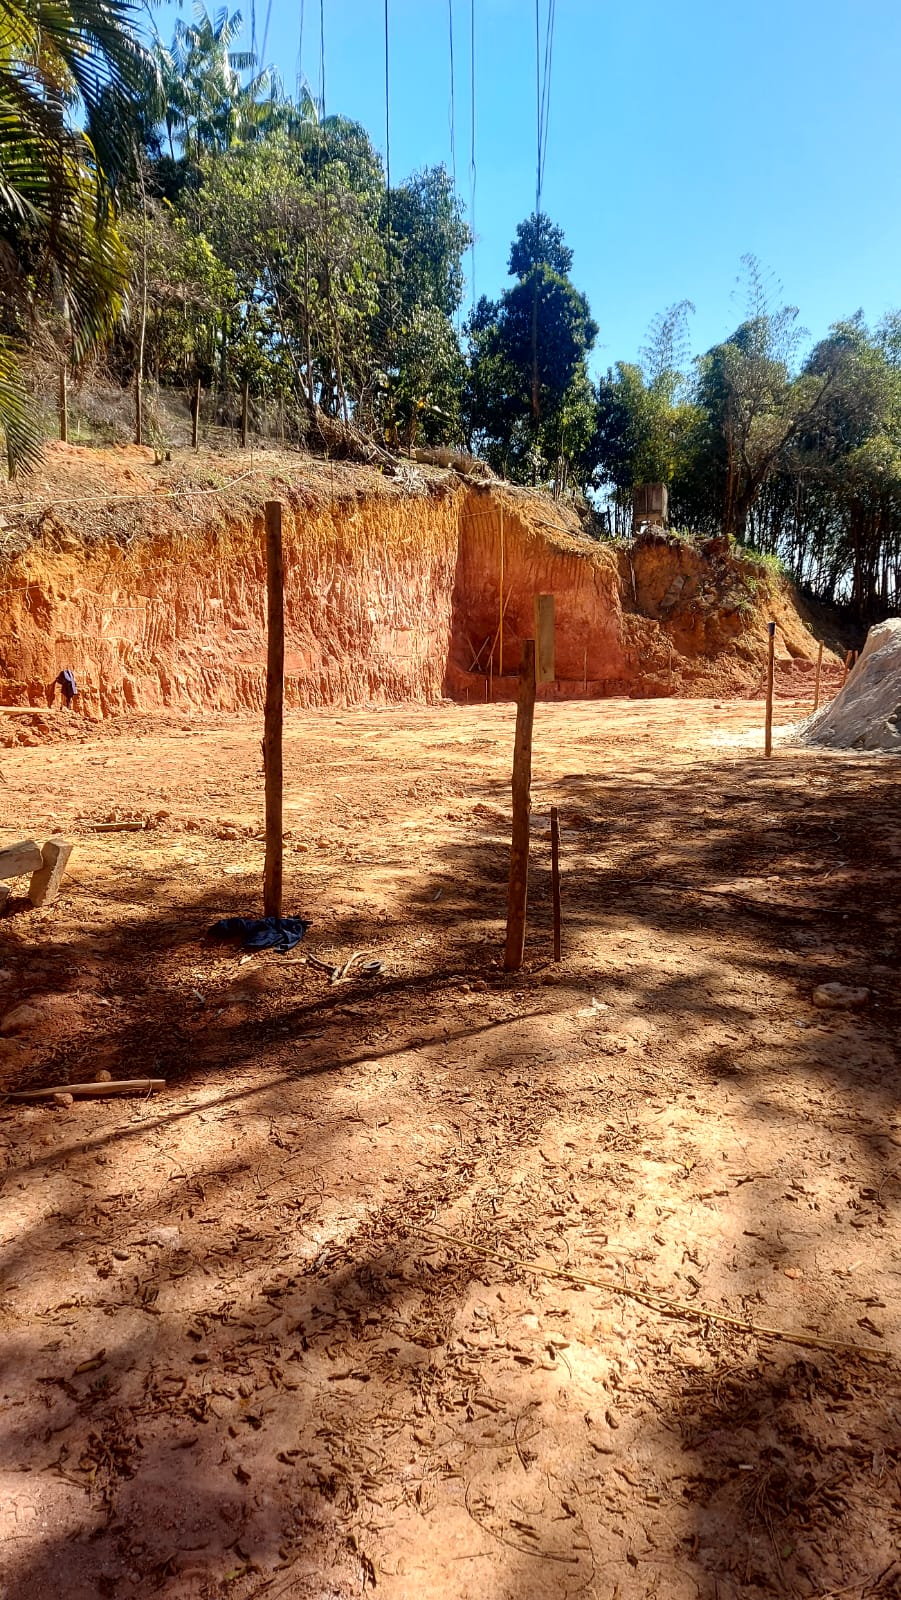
(663, 1303)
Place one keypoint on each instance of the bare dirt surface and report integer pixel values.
(309, 1322)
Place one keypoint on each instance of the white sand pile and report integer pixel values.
(866, 713)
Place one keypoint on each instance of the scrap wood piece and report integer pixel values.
(369, 970)
(83, 1090)
(46, 880)
(663, 1303)
(20, 858)
(128, 826)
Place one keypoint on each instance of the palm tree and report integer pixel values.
(62, 62)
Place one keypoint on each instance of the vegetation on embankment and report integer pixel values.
(148, 581)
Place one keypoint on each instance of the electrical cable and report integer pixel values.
(300, 54)
(266, 34)
(451, 107)
(472, 147)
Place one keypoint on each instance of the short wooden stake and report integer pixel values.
(63, 403)
(848, 655)
(275, 695)
(245, 406)
(195, 415)
(517, 893)
(555, 878)
(585, 670)
(491, 676)
(770, 674)
(816, 686)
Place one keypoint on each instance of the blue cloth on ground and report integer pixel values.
(66, 681)
(261, 933)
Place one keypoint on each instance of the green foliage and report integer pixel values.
(526, 396)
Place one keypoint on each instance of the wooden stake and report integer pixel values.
(500, 602)
(848, 655)
(585, 670)
(555, 878)
(770, 674)
(63, 404)
(195, 415)
(275, 694)
(80, 1091)
(816, 686)
(518, 889)
(245, 405)
(491, 676)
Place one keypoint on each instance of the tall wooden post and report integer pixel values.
(517, 893)
(245, 406)
(500, 603)
(275, 693)
(555, 878)
(195, 415)
(770, 675)
(816, 686)
(63, 403)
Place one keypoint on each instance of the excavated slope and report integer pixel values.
(149, 582)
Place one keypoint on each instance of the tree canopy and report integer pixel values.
(173, 210)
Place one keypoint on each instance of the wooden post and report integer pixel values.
(555, 878)
(770, 673)
(500, 603)
(275, 692)
(585, 671)
(491, 676)
(195, 415)
(848, 655)
(245, 404)
(517, 893)
(139, 406)
(63, 403)
(816, 686)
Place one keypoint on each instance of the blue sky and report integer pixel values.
(681, 136)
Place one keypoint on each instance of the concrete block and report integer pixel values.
(45, 882)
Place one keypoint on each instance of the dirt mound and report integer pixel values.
(866, 714)
(147, 579)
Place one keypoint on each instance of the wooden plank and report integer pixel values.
(518, 888)
(17, 859)
(82, 1090)
(544, 638)
(45, 882)
(274, 712)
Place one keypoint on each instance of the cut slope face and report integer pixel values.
(866, 714)
(148, 582)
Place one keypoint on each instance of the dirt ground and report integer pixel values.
(309, 1322)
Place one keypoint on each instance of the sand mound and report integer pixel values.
(866, 713)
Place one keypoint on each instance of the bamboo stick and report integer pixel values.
(555, 878)
(81, 1091)
(517, 893)
(273, 716)
(770, 675)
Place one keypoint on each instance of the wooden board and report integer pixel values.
(17, 859)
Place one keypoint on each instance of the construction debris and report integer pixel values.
(866, 713)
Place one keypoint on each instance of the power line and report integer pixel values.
(472, 146)
(266, 33)
(388, 182)
(300, 54)
(451, 107)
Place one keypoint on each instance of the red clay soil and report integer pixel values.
(147, 580)
(441, 1282)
